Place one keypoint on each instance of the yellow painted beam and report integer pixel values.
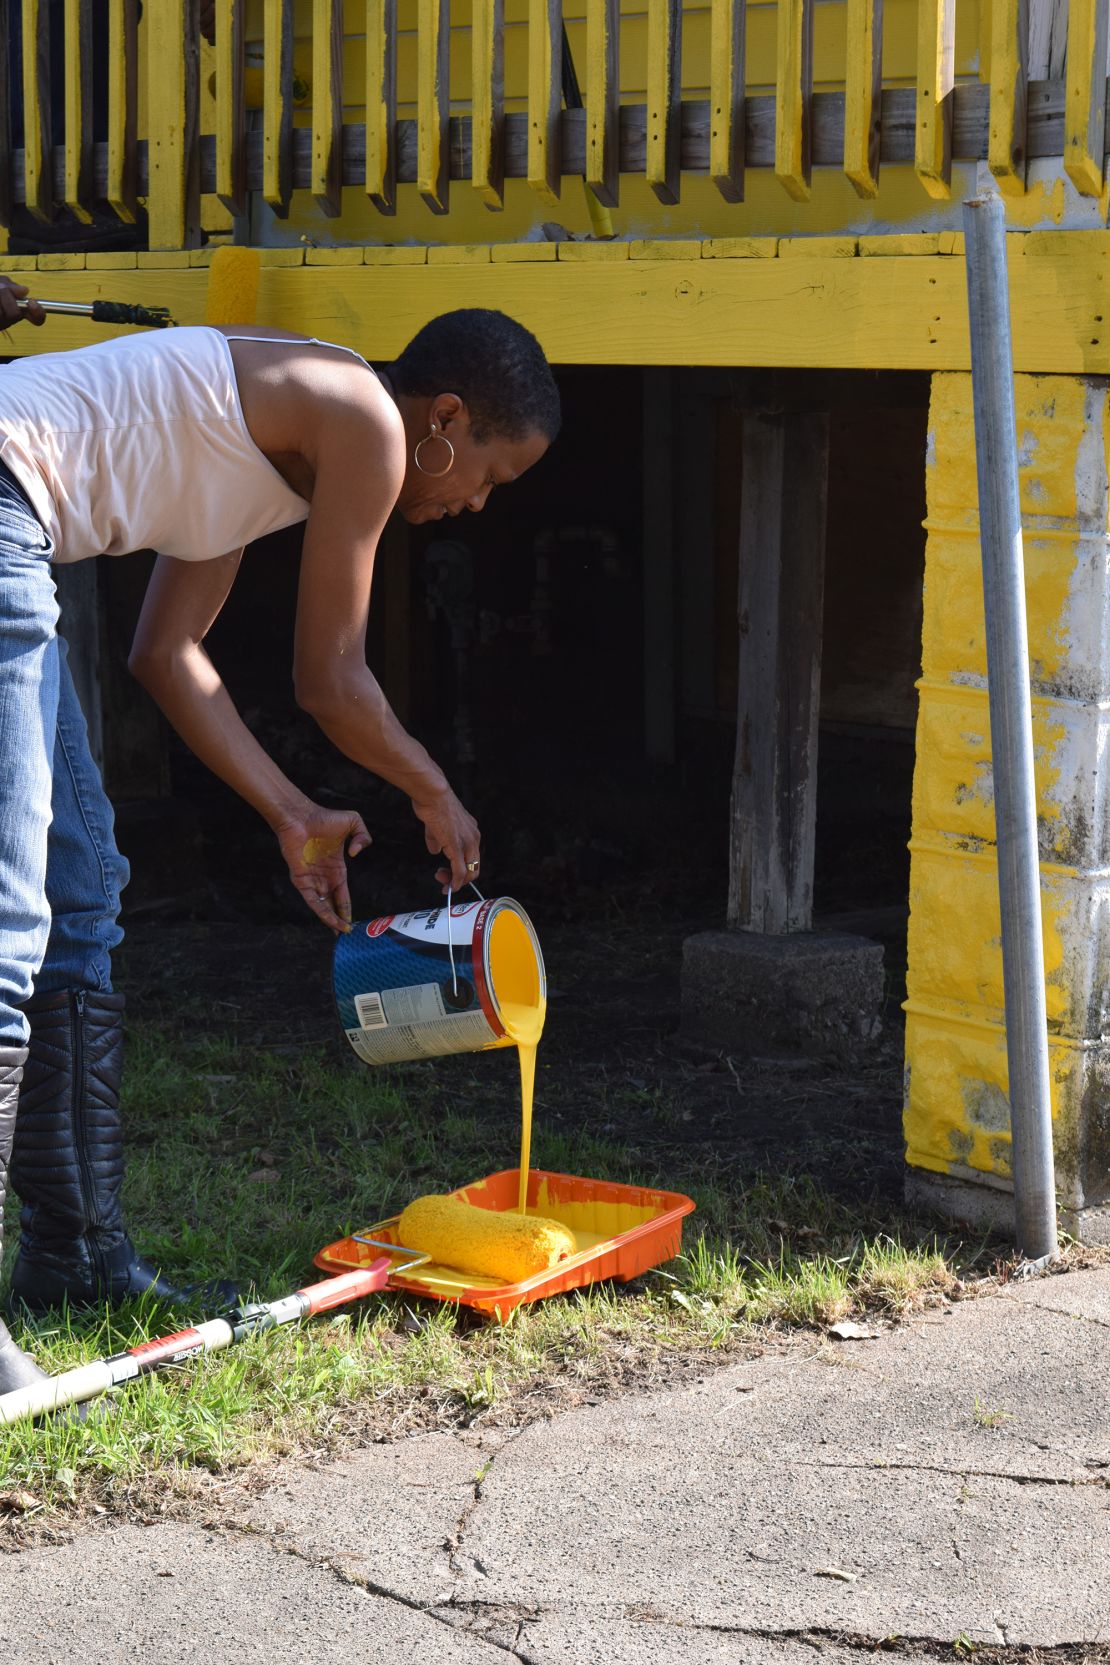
(603, 98)
(123, 104)
(173, 200)
(432, 72)
(381, 104)
(37, 180)
(487, 117)
(277, 104)
(1009, 78)
(327, 105)
(936, 77)
(863, 94)
(827, 310)
(231, 155)
(545, 57)
(77, 98)
(793, 97)
(664, 92)
(727, 21)
(1085, 95)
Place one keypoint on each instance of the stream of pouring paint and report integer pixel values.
(518, 985)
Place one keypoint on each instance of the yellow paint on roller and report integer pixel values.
(233, 286)
(482, 1241)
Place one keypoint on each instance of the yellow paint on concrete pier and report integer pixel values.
(956, 1110)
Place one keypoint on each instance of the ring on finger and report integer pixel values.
(472, 867)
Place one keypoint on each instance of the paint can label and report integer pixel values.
(417, 985)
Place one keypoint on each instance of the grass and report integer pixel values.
(245, 1161)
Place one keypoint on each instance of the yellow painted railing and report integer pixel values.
(443, 95)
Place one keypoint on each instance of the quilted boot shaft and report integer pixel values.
(67, 1165)
(67, 1160)
(16, 1369)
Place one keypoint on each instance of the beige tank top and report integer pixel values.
(141, 443)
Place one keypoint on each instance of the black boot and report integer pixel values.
(67, 1164)
(16, 1369)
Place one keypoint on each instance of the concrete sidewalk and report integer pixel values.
(948, 1481)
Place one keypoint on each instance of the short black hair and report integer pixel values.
(494, 364)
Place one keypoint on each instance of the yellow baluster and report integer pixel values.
(726, 97)
(123, 90)
(545, 22)
(231, 148)
(432, 107)
(1009, 75)
(664, 72)
(77, 15)
(936, 51)
(1085, 95)
(38, 182)
(327, 104)
(277, 105)
(487, 167)
(381, 104)
(173, 200)
(793, 97)
(863, 94)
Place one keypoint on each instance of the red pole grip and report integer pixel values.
(348, 1286)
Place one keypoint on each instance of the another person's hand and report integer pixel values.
(315, 845)
(11, 293)
(450, 830)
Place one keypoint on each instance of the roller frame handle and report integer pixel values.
(348, 1286)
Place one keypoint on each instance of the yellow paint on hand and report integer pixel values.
(321, 849)
(482, 1240)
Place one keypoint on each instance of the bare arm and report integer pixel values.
(359, 465)
(168, 658)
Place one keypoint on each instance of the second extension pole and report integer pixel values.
(992, 380)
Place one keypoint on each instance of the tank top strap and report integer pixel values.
(298, 341)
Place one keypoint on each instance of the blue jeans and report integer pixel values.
(60, 872)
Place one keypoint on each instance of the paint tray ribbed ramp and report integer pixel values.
(621, 1230)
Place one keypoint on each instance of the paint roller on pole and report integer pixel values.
(1011, 727)
(89, 1381)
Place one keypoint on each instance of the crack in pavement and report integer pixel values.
(880, 1466)
(362, 1581)
(452, 1545)
(1062, 1312)
(892, 1645)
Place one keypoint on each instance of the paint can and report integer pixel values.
(463, 977)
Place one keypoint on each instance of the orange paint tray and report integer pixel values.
(621, 1230)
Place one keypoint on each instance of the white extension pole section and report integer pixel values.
(992, 380)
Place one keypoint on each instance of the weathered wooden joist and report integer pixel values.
(970, 140)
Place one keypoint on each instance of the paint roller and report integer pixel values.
(233, 285)
(506, 1245)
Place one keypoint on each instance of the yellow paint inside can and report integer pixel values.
(518, 991)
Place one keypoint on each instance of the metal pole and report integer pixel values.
(1011, 727)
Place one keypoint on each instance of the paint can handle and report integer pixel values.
(450, 944)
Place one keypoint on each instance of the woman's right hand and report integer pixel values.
(451, 830)
(11, 293)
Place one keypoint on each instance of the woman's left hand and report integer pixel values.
(314, 845)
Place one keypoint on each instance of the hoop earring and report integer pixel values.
(434, 473)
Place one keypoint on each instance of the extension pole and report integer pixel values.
(992, 381)
(88, 1381)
